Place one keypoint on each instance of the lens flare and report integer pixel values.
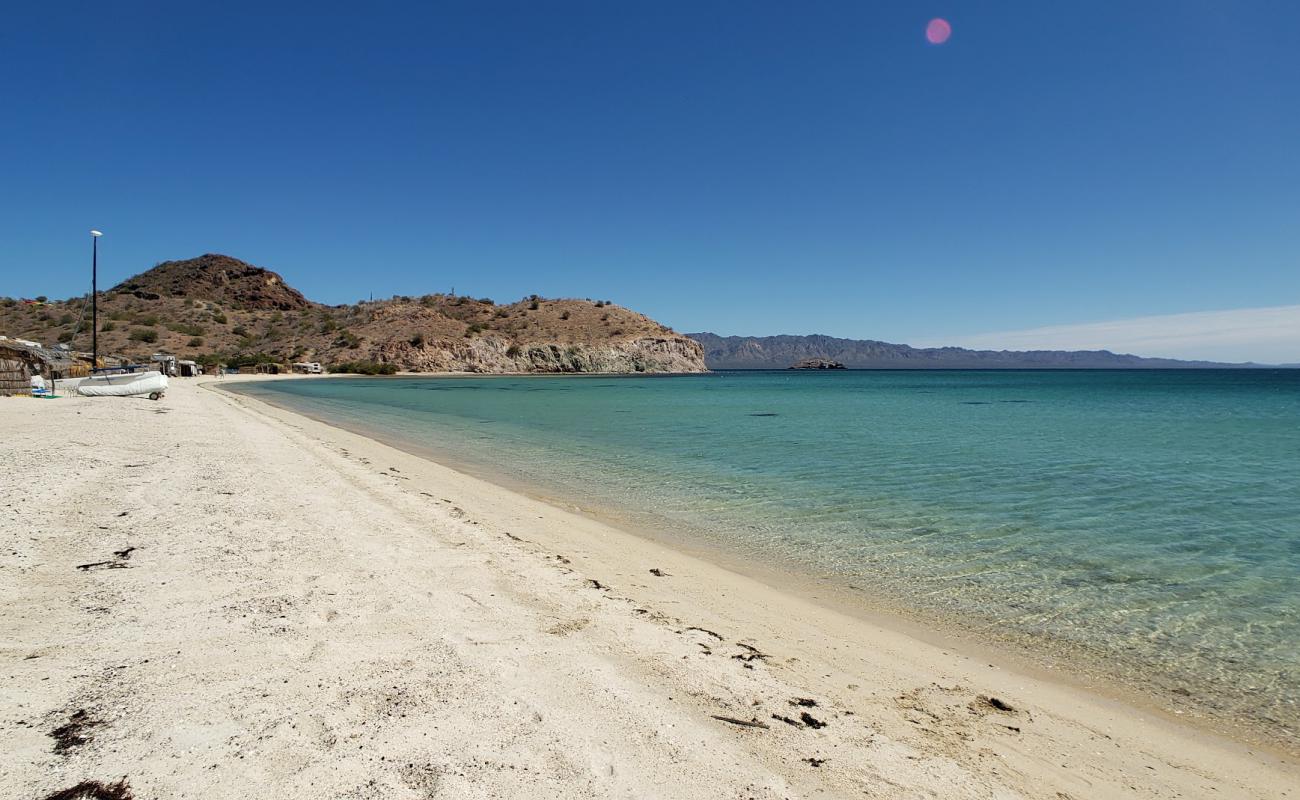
(938, 31)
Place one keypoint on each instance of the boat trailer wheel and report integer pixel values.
(155, 395)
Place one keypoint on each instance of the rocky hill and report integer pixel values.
(215, 307)
(781, 352)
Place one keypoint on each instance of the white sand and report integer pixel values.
(311, 614)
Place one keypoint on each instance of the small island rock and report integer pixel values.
(818, 363)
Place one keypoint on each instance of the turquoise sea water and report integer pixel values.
(1149, 520)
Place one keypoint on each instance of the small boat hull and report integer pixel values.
(129, 384)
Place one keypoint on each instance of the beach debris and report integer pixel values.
(75, 732)
(94, 790)
(751, 653)
(806, 702)
(115, 564)
(715, 635)
(394, 469)
(816, 762)
(595, 584)
(123, 513)
(510, 535)
(787, 720)
(744, 723)
(118, 562)
(765, 414)
(984, 702)
(811, 721)
(658, 573)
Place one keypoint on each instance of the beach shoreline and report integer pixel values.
(983, 639)
(695, 661)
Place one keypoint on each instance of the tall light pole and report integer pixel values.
(94, 300)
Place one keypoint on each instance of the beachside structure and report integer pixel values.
(308, 368)
(21, 359)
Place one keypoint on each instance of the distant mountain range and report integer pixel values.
(780, 352)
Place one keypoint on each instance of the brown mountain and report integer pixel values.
(215, 307)
(218, 278)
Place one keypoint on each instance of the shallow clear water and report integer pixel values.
(1148, 518)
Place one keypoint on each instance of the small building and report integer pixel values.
(189, 369)
(21, 359)
(17, 366)
(308, 368)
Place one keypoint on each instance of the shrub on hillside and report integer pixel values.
(195, 342)
(148, 335)
(363, 368)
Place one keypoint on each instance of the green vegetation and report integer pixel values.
(107, 326)
(417, 340)
(195, 342)
(188, 330)
(565, 315)
(239, 330)
(219, 318)
(364, 368)
(149, 320)
(348, 339)
(477, 327)
(65, 337)
(144, 335)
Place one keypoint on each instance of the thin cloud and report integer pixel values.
(1264, 335)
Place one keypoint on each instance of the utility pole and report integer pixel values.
(94, 300)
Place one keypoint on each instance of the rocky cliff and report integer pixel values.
(219, 308)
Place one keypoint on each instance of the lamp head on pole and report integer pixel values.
(96, 234)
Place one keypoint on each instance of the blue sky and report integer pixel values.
(745, 168)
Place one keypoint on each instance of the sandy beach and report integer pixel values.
(206, 596)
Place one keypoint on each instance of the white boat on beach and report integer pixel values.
(126, 384)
